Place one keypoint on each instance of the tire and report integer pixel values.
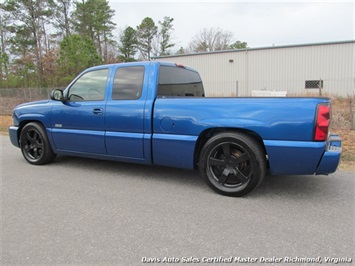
(34, 144)
(232, 163)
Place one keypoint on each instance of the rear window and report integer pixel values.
(178, 81)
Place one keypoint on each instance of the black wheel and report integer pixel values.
(35, 146)
(232, 163)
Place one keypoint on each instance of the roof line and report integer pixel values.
(257, 48)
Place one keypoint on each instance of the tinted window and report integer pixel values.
(89, 87)
(128, 83)
(178, 81)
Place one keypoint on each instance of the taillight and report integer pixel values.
(322, 122)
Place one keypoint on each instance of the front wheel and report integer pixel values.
(34, 144)
(232, 163)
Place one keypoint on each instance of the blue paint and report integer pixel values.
(166, 130)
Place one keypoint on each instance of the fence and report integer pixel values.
(9, 98)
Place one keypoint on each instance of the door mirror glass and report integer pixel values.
(57, 95)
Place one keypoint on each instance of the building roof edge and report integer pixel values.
(256, 48)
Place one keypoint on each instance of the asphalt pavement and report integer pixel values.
(84, 211)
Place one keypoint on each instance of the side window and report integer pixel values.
(89, 87)
(178, 81)
(128, 83)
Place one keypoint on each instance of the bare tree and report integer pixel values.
(212, 39)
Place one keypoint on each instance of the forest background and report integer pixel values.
(47, 43)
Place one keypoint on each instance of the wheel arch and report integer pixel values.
(35, 143)
(208, 133)
(24, 122)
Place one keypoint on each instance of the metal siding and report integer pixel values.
(277, 68)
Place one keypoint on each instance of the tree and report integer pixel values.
(4, 57)
(128, 46)
(146, 32)
(239, 45)
(213, 39)
(75, 55)
(29, 32)
(24, 59)
(93, 19)
(103, 27)
(165, 35)
(62, 16)
(181, 51)
(83, 19)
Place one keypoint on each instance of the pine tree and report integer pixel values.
(75, 55)
(93, 19)
(146, 32)
(165, 35)
(128, 46)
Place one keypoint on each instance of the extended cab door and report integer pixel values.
(78, 123)
(126, 116)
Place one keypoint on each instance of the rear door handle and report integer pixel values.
(98, 111)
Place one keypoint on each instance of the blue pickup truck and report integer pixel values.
(157, 113)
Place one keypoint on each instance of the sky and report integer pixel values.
(259, 23)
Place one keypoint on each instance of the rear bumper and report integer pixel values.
(303, 157)
(331, 157)
(13, 134)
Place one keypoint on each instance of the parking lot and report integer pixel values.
(98, 212)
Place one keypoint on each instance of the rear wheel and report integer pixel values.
(34, 144)
(232, 163)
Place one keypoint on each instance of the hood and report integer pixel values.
(36, 103)
(32, 110)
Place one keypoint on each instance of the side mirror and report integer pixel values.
(57, 95)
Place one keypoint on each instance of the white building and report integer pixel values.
(293, 68)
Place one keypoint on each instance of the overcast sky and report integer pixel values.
(259, 23)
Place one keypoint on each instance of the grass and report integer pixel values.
(347, 136)
(348, 145)
(5, 122)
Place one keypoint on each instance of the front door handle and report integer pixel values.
(98, 111)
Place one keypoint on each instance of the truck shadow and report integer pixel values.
(138, 171)
(286, 187)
